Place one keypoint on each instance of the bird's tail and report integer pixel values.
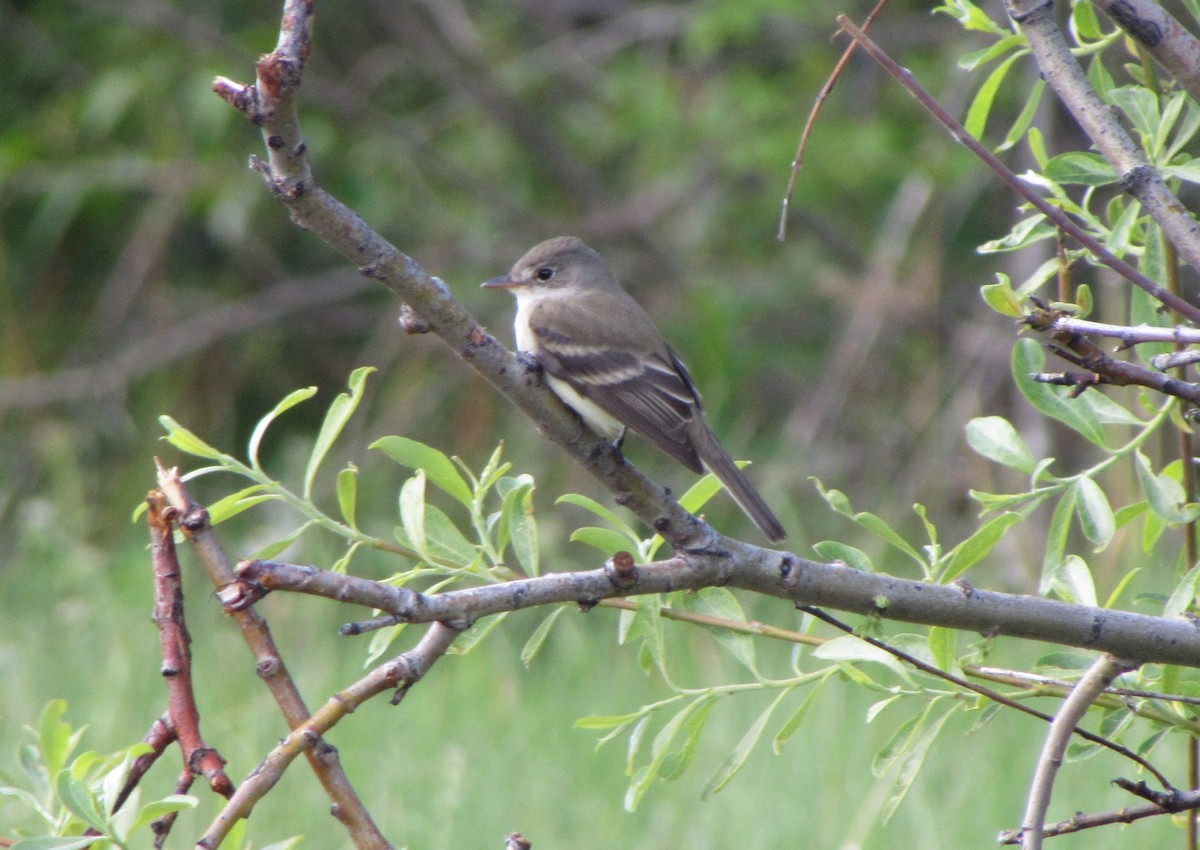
(721, 465)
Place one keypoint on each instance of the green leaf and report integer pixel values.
(659, 750)
(790, 725)
(602, 512)
(1164, 493)
(151, 812)
(339, 413)
(1025, 119)
(721, 603)
(912, 756)
(520, 527)
(976, 547)
(851, 648)
(832, 550)
(737, 759)
(230, 506)
(981, 104)
(943, 647)
(78, 800)
(287, 403)
(1081, 168)
(1140, 105)
(1073, 582)
(1054, 402)
(49, 842)
(412, 512)
(271, 550)
(445, 542)
(530, 650)
(838, 501)
(605, 539)
(995, 438)
(1056, 538)
(1183, 597)
(184, 440)
(347, 494)
(1095, 513)
(54, 737)
(439, 468)
(1120, 588)
(1001, 298)
(678, 760)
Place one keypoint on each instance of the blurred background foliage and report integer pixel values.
(145, 270)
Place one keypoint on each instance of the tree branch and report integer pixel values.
(1098, 677)
(1155, 29)
(957, 606)
(1060, 70)
(194, 523)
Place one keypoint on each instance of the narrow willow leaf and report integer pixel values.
(981, 104)
(474, 636)
(285, 404)
(681, 757)
(1183, 597)
(1054, 402)
(832, 550)
(721, 603)
(1056, 538)
(342, 565)
(659, 750)
(151, 812)
(439, 468)
(943, 647)
(233, 504)
(850, 648)
(913, 757)
(1095, 513)
(347, 494)
(50, 842)
(790, 725)
(534, 644)
(995, 438)
(1120, 588)
(412, 511)
(184, 440)
(978, 546)
(1025, 119)
(1140, 105)
(604, 513)
(606, 721)
(520, 527)
(737, 759)
(272, 550)
(605, 539)
(336, 417)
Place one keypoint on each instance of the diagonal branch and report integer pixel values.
(270, 103)
(1060, 70)
(1055, 215)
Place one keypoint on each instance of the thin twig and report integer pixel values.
(798, 159)
(994, 696)
(194, 523)
(1053, 213)
(1061, 71)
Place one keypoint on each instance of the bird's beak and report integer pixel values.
(502, 282)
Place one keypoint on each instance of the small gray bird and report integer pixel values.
(603, 356)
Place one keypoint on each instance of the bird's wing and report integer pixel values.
(649, 392)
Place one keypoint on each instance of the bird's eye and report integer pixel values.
(545, 273)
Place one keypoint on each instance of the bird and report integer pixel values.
(603, 356)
